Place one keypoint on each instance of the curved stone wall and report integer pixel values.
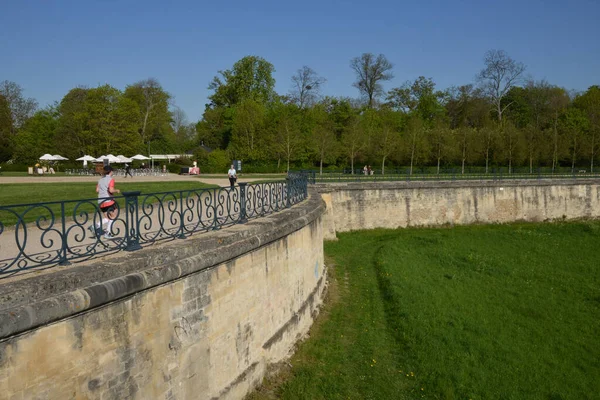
(357, 206)
(199, 318)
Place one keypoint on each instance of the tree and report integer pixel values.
(322, 135)
(37, 136)
(251, 78)
(509, 144)
(288, 136)
(248, 141)
(416, 138)
(214, 129)
(559, 100)
(306, 85)
(500, 74)
(418, 97)
(153, 105)
(353, 139)
(589, 103)
(6, 129)
(573, 124)
(370, 72)
(464, 136)
(21, 108)
(441, 140)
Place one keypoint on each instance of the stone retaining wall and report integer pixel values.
(357, 206)
(199, 318)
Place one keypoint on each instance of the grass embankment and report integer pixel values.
(26, 193)
(478, 312)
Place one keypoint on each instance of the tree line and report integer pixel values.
(500, 119)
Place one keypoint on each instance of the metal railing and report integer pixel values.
(58, 233)
(494, 174)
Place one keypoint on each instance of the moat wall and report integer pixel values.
(355, 206)
(199, 318)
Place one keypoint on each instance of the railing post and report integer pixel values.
(63, 250)
(132, 234)
(181, 219)
(243, 216)
(288, 187)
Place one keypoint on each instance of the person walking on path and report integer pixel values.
(128, 170)
(108, 206)
(232, 176)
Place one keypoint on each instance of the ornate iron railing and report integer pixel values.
(444, 175)
(58, 233)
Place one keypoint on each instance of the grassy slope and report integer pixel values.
(479, 312)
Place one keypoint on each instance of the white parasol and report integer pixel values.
(140, 157)
(123, 159)
(47, 157)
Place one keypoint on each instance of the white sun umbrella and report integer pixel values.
(58, 157)
(47, 157)
(85, 159)
(100, 159)
(124, 159)
(111, 159)
(140, 157)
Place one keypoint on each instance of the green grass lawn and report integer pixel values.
(477, 312)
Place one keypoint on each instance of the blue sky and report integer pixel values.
(49, 47)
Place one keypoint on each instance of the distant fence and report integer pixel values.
(57, 233)
(394, 174)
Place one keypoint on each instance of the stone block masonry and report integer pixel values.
(199, 318)
(356, 206)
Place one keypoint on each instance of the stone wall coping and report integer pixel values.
(39, 300)
(392, 185)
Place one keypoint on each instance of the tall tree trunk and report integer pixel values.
(383, 165)
(352, 163)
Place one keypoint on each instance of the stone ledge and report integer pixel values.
(39, 300)
(383, 185)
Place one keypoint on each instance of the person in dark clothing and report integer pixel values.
(128, 170)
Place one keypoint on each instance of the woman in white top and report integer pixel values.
(232, 176)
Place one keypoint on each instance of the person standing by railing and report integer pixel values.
(108, 206)
(232, 174)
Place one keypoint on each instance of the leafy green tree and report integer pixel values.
(573, 123)
(154, 118)
(249, 140)
(21, 108)
(370, 72)
(251, 78)
(464, 138)
(322, 135)
(510, 144)
(76, 138)
(441, 141)
(37, 136)
(589, 103)
(416, 143)
(418, 97)
(6, 129)
(559, 101)
(214, 129)
(288, 139)
(354, 141)
(387, 137)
